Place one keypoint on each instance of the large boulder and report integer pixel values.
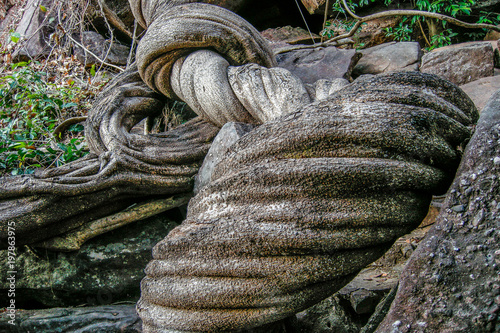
(451, 282)
(404, 56)
(460, 63)
(228, 134)
(34, 31)
(105, 50)
(311, 65)
(106, 269)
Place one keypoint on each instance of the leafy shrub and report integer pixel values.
(29, 111)
(435, 33)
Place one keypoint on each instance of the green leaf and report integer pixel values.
(15, 37)
(43, 8)
(76, 128)
(68, 105)
(18, 64)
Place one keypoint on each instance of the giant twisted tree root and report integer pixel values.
(306, 200)
(298, 206)
(302, 203)
(122, 169)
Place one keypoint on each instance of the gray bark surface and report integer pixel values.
(302, 203)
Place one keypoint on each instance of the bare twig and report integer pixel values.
(423, 33)
(85, 49)
(109, 15)
(305, 22)
(94, 55)
(110, 29)
(134, 40)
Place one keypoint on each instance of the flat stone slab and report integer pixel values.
(311, 65)
(107, 269)
(289, 35)
(404, 56)
(99, 319)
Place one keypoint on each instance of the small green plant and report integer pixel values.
(403, 32)
(15, 37)
(331, 26)
(442, 39)
(29, 111)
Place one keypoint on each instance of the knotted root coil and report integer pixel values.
(176, 30)
(302, 203)
(122, 169)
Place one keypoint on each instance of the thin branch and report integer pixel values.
(134, 41)
(94, 55)
(405, 12)
(305, 21)
(110, 29)
(423, 33)
(348, 10)
(349, 34)
(85, 49)
(109, 15)
(325, 17)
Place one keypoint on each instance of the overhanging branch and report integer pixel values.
(409, 12)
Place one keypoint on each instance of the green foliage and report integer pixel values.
(443, 38)
(337, 25)
(440, 34)
(15, 37)
(403, 32)
(330, 26)
(435, 33)
(338, 7)
(29, 109)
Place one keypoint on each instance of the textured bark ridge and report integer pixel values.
(177, 28)
(122, 169)
(295, 208)
(302, 203)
